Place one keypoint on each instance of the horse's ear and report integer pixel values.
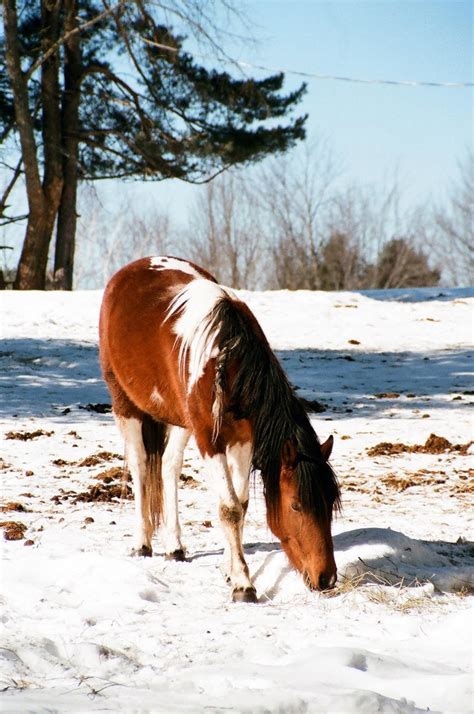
(289, 454)
(326, 448)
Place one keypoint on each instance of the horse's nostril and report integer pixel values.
(326, 582)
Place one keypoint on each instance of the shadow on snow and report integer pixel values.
(46, 377)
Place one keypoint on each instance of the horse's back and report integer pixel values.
(137, 341)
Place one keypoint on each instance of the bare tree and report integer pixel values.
(296, 192)
(452, 237)
(343, 266)
(108, 240)
(224, 235)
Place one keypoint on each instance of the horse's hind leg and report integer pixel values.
(144, 467)
(136, 459)
(144, 441)
(172, 462)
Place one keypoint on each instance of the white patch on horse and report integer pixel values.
(193, 306)
(238, 460)
(172, 463)
(162, 262)
(234, 566)
(156, 397)
(135, 457)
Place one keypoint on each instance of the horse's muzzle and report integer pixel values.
(325, 581)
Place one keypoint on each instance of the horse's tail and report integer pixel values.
(154, 440)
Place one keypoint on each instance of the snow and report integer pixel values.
(85, 627)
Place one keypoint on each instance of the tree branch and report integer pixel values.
(16, 173)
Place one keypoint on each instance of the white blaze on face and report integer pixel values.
(193, 305)
(165, 263)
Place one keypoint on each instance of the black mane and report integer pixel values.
(261, 392)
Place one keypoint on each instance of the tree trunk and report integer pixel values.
(43, 196)
(66, 227)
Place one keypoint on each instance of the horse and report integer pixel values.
(184, 355)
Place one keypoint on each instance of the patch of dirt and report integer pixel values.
(105, 493)
(27, 435)
(116, 473)
(100, 408)
(419, 478)
(13, 530)
(62, 462)
(98, 458)
(188, 481)
(13, 506)
(433, 445)
(111, 485)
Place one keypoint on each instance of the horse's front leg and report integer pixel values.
(231, 515)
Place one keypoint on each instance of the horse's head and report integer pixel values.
(302, 520)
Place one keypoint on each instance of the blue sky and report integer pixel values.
(422, 129)
(421, 132)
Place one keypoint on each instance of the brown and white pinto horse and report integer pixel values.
(182, 354)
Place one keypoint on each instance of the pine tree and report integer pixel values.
(107, 91)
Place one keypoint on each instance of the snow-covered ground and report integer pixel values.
(85, 627)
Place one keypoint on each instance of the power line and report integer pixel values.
(359, 80)
(331, 77)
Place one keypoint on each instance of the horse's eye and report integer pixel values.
(296, 506)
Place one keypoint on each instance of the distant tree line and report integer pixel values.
(292, 224)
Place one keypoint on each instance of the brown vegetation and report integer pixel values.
(433, 445)
(12, 530)
(27, 435)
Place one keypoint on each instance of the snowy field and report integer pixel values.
(85, 627)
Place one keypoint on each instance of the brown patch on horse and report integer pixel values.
(232, 516)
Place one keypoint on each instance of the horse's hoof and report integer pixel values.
(145, 551)
(244, 595)
(176, 555)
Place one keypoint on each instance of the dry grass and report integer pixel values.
(12, 530)
(433, 445)
(27, 435)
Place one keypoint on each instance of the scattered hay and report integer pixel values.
(62, 462)
(419, 478)
(111, 486)
(13, 506)
(116, 473)
(12, 530)
(433, 445)
(464, 487)
(188, 481)
(27, 435)
(98, 458)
